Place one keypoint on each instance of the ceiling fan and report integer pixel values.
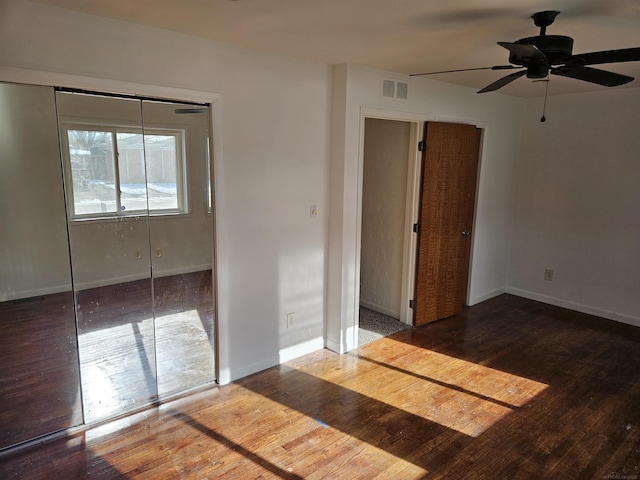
(537, 57)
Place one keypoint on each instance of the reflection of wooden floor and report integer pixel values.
(127, 358)
(122, 353)
(510, 388)
(39, 382)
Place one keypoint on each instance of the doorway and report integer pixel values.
(404, 287)
(386, 163)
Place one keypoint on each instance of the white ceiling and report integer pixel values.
(403, 36)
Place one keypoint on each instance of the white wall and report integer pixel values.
(357, 88)
(34, 249)
(384, 197)
(579, 205)
(271, 160)
(283, 126)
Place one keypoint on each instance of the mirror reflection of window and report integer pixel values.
(109, 174)
(92, 161)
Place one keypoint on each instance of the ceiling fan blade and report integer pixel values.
(524, 51)
(593, 75)
(503, 81)
(607, 56)
(495, 67)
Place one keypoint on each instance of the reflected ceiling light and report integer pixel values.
(186, 111)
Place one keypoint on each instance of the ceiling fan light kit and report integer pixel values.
(542, 55)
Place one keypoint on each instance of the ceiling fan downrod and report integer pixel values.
(544, 19)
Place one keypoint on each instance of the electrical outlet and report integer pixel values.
(158, 252)
(291, 319)
(548, 275)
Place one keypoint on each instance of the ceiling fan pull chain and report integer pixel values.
(544, 107)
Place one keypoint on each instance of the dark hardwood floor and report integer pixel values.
(509, 389)
(124, 352)
(39, 377)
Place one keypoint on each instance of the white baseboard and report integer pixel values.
(104, 282)
(285, 355)
(132, 278)
(486, 296)
(296, 351)
(578, 307)
(36, 292)
(241, 372)
(335, 346)
(380, 309)
(182, 270)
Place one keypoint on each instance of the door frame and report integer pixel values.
(416, 122)
(412, 204)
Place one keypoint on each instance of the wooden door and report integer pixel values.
(449, 173)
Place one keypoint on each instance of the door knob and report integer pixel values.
(466, 234)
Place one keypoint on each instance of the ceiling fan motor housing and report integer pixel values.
(553, 54)
(557, 48)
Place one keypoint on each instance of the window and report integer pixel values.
(109, 174)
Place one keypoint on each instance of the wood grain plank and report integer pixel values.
(569, 382)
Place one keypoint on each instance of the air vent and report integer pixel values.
(395, 89)
(402, 90)
(388, 88)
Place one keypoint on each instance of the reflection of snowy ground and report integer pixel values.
(162, 196)
(163, 187)
(139, 188)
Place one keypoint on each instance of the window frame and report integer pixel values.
(179, 135)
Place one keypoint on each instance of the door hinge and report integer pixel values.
(416, 228)
(412, 304)
(421, 145)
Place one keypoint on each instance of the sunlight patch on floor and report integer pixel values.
(449, 391)
(488, 382)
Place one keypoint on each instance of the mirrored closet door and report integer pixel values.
(176, 140)
(40, 382)
(103, 160)
(140, 230)
(107, 298)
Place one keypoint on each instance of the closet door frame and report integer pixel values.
(215, 102)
